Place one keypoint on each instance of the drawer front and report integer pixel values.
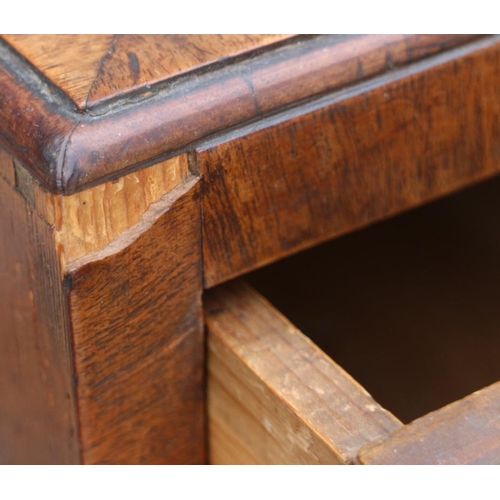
(338, 164)
(273, 396)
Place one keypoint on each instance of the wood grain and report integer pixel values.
(72, 62)
(138, 339)
(68, 150)
(93, 68)
(89, 220)
(37, 405)
(7, 168)
(273, 396)
(122, 264)
(465, 432)
(348, 160)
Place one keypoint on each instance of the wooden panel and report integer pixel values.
(68, 150)
(93, 68)
(37, 408)
(273, 396)
(349, 160)
(465, 432)
(138, 339)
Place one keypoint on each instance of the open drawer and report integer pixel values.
(407, 307)
(274, 397)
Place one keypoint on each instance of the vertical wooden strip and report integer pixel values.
(138, 338)
(37, 409)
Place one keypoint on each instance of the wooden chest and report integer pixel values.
(139, 175)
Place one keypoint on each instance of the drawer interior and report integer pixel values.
(410, 306)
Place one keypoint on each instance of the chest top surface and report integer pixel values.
(91, 69)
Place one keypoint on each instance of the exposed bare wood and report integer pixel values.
(89, 220)
(466, 432)
(273, 396)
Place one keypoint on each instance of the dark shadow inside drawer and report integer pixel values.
(410, 307)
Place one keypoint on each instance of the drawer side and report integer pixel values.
(273, 396)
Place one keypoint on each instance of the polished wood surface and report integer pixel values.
(348, 160)
(466, 432)
(38, 417)
(273, 396)
(69, 150)
(91, 69)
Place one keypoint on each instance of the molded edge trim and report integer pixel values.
(69, 150)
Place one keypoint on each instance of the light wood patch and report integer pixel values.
(89, 220)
